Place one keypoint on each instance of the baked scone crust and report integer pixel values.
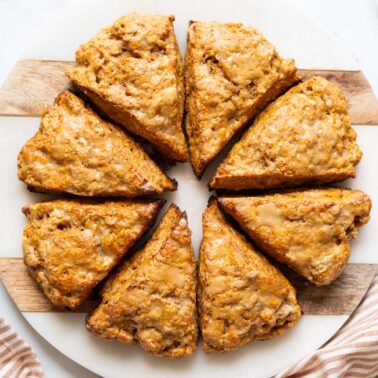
(152, 298)
(241, 296)
(309, 230)
(304, 137)
(133, 72)
(75, 151)
(70, 246)
(232, 72)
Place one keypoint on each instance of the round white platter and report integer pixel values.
(296, 34)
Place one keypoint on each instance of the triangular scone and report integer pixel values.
(75, 151)
(308, 230)
(152, 298)
(70, 246)
(133, 72)
(304, 137)
(232, 72)
(242, 297)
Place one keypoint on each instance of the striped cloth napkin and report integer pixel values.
(352, 352)
(17, 360)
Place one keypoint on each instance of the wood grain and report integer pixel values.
(363, 105)
(33, 84)
(339, 298)
(25, 292)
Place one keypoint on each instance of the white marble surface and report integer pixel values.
(354, 22)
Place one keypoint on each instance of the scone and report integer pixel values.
(304, 137)
(241, 296)
(231, 73)
(75, 151)
(309, 230)
(133, 72)
(152, 298)
(70, 246)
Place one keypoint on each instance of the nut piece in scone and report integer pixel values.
(152, 297)
(75, 151)
(231, 73)
(70, 246)
(304, 137)
(242, 297)
(133, 72)
(308, 230)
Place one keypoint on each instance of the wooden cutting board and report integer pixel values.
(33, 84)
(339, 298)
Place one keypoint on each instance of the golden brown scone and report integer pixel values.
(75, 151)
(70, 246)
(152, 298)
(133, 72)
(232, 72)
(241, 296)
(304, 137)
(308, 230)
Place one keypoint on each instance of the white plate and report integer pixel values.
(295, 34)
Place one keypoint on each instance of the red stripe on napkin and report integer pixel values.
(17, 360)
